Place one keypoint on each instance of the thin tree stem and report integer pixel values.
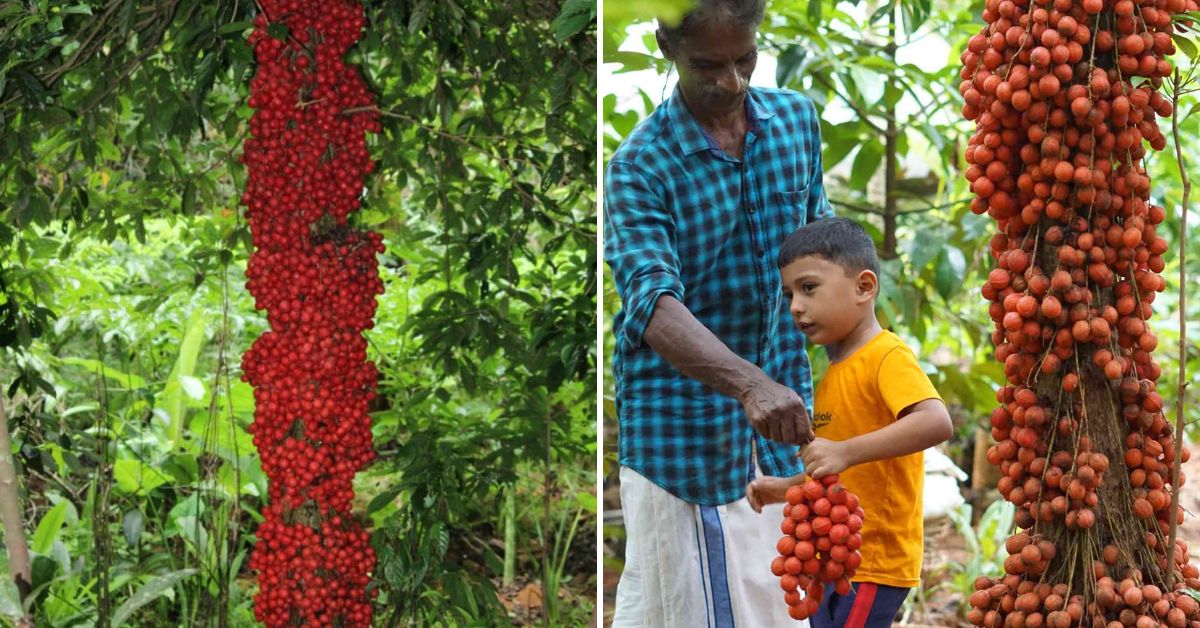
(1182, 384)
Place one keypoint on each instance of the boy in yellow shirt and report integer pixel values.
(875, 412)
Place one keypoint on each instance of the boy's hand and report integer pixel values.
(824, 457)
(777, 412)
(769, 490)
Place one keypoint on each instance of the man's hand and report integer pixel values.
(824, 457)
(778, 413)
(769, 490)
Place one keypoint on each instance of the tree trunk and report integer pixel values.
(10, 513)
(891, 160)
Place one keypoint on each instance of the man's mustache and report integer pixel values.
(720, 94)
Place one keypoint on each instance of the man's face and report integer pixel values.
(715, 62)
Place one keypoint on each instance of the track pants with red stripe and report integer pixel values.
(867, 605)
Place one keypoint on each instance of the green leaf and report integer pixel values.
(839, 141)
(1185, 45)
(192, 386)
(235, 27)
(131, 526)
(383, 499)
(49, 528)
(630, 61)
(926, 244)
(185, 365)
(10, 600)
(575, 16)
(157, 586)
(277, 30)
(951, 271)
(670, 11)
(120, 378)
(814, 11)
(125, 19)
(135, 477)
(882, 12)
(187, 203)
(866, 163)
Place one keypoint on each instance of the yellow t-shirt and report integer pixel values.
(862, 393)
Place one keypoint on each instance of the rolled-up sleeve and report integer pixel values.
(818, 203)
(639, 246)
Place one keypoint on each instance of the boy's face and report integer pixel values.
(826, 303)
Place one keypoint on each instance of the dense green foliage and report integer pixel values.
(123, 313)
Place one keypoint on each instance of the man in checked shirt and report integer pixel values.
(712, 378)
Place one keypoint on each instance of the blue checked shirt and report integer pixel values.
(685, 219)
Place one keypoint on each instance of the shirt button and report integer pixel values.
(751, 210)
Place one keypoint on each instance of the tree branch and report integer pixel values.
(866, 209)
(863, 114)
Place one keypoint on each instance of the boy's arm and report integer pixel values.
(921, 426)
(770, 490)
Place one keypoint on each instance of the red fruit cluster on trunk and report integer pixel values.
(1064, 95)
(317, 279)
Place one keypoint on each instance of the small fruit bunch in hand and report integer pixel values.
(822, 527)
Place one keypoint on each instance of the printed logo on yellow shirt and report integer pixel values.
(821, 419)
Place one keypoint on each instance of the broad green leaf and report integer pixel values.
(131, 526)
(622, 13)
(10, 600)
(573, 19)
(277, 30)
(127, 380)
(839, 141)
(185, 363)
(383, 499)
(235, 27)
(866, 163)
(157, 586)
(135, 477)
(951, 271)
(924, 246)
(1185, 45)
(630, 62)
(214, 433)
(192, 386)
(49, 528)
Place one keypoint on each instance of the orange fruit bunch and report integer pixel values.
(822, 528)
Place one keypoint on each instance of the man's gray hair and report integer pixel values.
(744, 13)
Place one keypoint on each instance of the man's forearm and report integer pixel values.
(696, 352)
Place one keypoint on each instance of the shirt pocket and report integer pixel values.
(793, 205)
(786, 211)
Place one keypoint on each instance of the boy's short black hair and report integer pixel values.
(839, 240)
